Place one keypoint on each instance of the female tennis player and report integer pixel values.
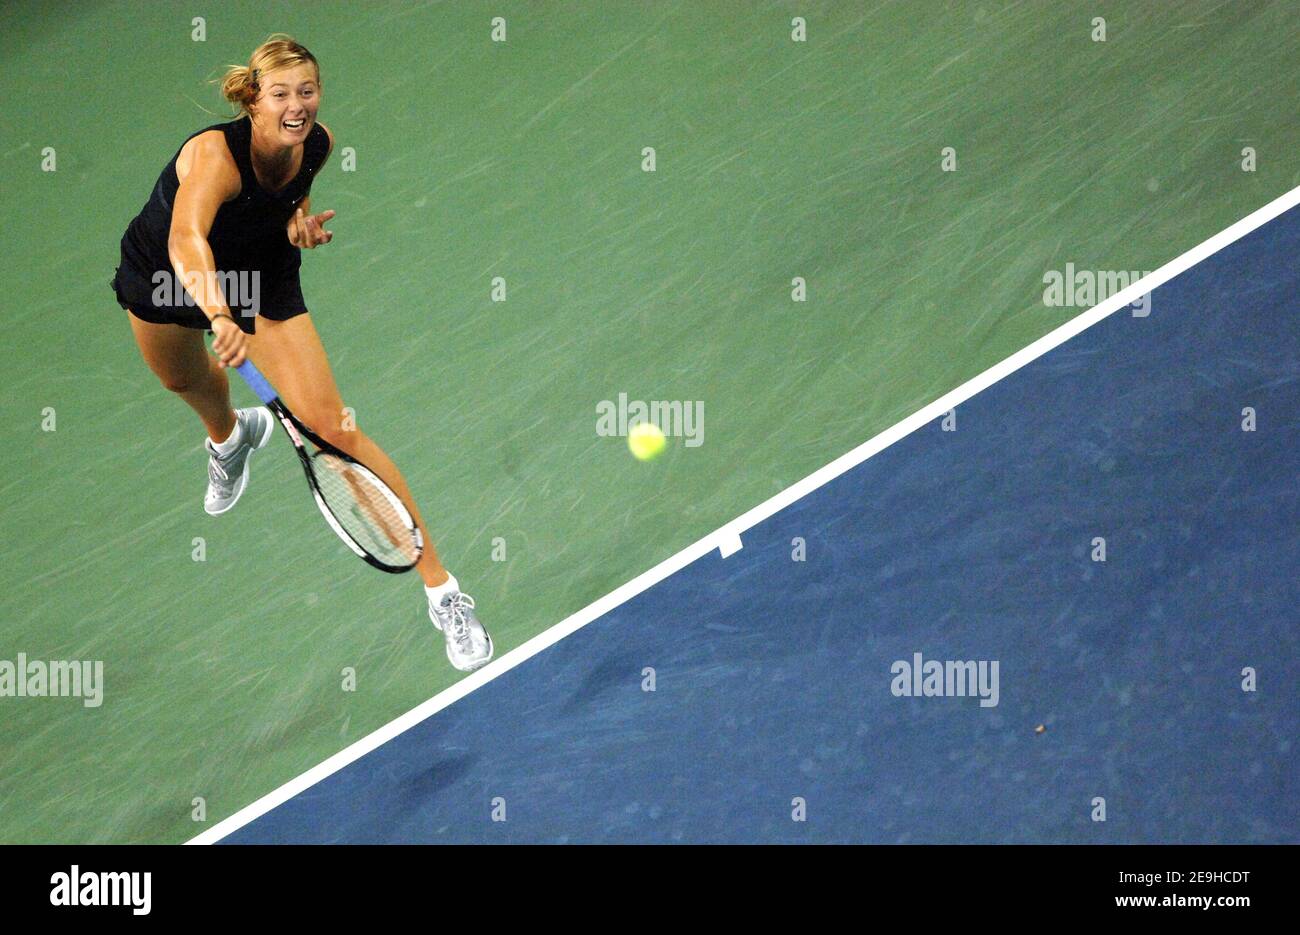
(225, 227)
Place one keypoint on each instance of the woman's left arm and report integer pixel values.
(305, 230)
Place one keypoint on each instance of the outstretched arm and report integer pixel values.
(211, 179)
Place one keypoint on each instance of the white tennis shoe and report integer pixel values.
(468, 645)
(228, 475)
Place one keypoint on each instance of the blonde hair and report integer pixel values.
(241, 82)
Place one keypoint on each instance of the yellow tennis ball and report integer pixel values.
(646, 441)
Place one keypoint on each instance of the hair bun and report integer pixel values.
(240, 84)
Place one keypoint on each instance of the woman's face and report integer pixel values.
(286, 105)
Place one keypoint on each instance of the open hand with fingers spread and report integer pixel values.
(307, 231)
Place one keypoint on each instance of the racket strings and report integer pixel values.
(365, 510)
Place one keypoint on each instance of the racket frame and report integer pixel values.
(297, 431)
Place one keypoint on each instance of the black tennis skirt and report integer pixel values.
(275, 294)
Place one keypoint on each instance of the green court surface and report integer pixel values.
(523, 160)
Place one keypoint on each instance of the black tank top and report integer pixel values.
(248, 233)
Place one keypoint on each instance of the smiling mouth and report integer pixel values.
(295, 124)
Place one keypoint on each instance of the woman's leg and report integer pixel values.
(181, 361)
(292, 357)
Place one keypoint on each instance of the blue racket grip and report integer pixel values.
(253, 377)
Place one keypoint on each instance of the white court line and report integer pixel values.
(726, 538)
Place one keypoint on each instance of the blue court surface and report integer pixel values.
(773, 676)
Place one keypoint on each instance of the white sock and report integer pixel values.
(231, 443)
(436, 594)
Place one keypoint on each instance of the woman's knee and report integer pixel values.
(337, 428)
(175, 355)
(178, 383)
(184, 379)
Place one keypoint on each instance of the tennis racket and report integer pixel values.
(359, 507)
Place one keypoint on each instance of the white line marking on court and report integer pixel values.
(728, 535)
(728, 542)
